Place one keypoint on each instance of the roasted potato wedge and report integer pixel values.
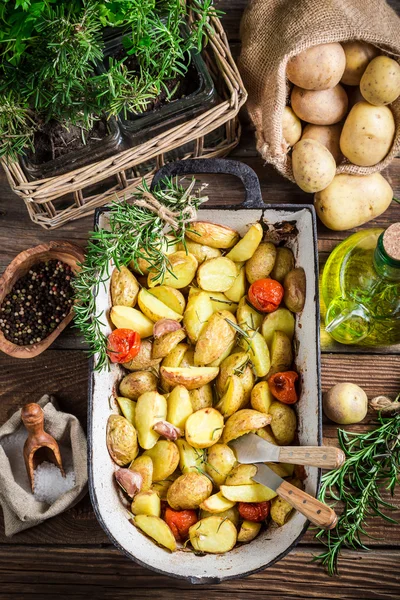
(121, 439)
(146, 503)
(216, 336)
(169, 296)
(243, 421)
(179, 406)
(248, 531)
(211, 234)
(124, 287)
(280, 509)
(258, 351)
(144, 360)
(200, 251)
(284, 262)
(189, 491)
(142, 265)
(157, 529)
(201, 397)
(232, 514)
(238, 287)
(233, 398)
(165, 344)
(154, 309)
(249, 243)
(216, 504)
(204, 427)
(281, 353)
(261, 397)
(260, 265)
(236, 364)
(282, 320)
(220, 302)
(255, 492)
(281, 469)
(241, 475)
(266, 434)
(224, 355)
(127, 407)
(165, 457)
(151, 407)
(182, 269)
(247, 316)
(173, 359)
(135, 384)
(190, 459)
(284, 423)
(126, 317)
(220, 461)
(143, 465)
(190, 377)
(215, 535)
(216, 274)
(162, 487)
(188, 359)
(199, 309)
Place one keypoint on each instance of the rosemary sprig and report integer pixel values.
(135, 232)
(372, 466)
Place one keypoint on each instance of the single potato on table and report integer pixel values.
(358, 55)
(317, 68)
(313, 165)
(325, 107)
(327, 135)
(291, 126)
(380, 83)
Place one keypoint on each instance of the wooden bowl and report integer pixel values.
(61, 250)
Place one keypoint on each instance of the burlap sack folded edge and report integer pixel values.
(270, 142)
(20, 510)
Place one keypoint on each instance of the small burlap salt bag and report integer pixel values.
(273, 31)
(20, 508)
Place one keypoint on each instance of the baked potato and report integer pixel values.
(135, 384)
(124, 287)
(220, 461)
(189, 491)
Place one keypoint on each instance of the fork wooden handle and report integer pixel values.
(325, 457)
(318, 513)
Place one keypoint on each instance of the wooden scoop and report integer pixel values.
(40, 446)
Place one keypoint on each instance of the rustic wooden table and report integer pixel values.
(70, 556)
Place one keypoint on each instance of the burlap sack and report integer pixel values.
(273, 31)
(20, 509)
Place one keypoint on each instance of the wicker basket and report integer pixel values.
(57, 200)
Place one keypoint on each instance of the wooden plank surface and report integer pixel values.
(70, 557)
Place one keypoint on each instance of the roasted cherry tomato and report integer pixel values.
(282, 386)
(180, 521)
(123, 345)
(254, 511)
(266, 295)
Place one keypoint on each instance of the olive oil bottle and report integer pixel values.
(361, 288)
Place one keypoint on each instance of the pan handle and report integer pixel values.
(215, 165)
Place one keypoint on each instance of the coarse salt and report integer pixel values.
(50, 484)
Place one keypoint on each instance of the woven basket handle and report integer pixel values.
(194, 166)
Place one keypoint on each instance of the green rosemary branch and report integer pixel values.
(135, 232)
(372, 466)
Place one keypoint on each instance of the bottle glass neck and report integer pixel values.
(386, 267)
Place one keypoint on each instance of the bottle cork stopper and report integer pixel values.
(391, 241)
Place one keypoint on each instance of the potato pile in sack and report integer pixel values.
(324, 95)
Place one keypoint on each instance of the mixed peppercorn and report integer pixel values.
(37, 303)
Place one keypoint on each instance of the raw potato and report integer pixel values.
(200, 251)
(327, 135)
(212, 234)
(238, 288)
(214, 535)
(313, 165)
(258, 352)
(151, 407)
(189, 491)
(352, 200)
(249, 243)
(173, 298)
(281, 353)
(214, 338)
(295, 290)
(182, 270)
(317, 68)
(190, 377)
(154, 309)
(146, 503)
(157, 529)
(242, 475)
(204, 428)
(165, 457)
(201, 397)
(255, 492)
(367, 134)
(166, 343)
(248, 531)
(127, 407)
(284, 263)
(220, 302)
(121, 439)
(358, 55)
(325, 107)
(143, 465)
(233, 398)
(199, 309)
(216, 274)
(280, 509)
(236, 364)
(260, 265)
(232, 514)
(291, 126)
(345, 403)
(179, 406)
(125, 317)
(284, 423)
(135, 384)
(244, 421)
(190, 459)
(247, 316)
(217, 504)
(380, 83)
(124, 287)
(220, 461)
(281, 319)
(261, 397)
(144, 359)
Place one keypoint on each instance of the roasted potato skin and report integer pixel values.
(215, 337)
(121, 440)
(211, 234)
(220, 461)
(284, 262)
(189, 491)
(124, 287)
(295, 290)
(283, 423)
(243, 421)
(260, 265)
(144, 360)
(163, 345)
(135, 384)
